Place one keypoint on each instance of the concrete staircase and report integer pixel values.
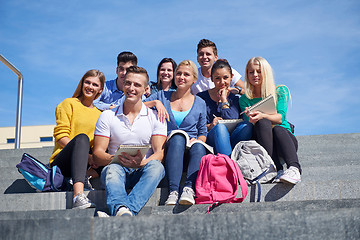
(325, 205)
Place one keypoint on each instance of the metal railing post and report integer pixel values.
(19, 100)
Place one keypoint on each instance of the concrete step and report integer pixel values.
(226, 223)
(12, 161)
(337, 223)
(321, 173)
(334, 159)
(325, 205)
(343, 138)
(311, 143)
(304, 191)
(308, 205)
(329, 160)
(47, 214)
(162, 210)
(36, 152)
(11, 181)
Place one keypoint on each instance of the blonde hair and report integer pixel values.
(191, 65)
(268, 84)
(91, 73)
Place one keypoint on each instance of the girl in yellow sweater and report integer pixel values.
(74, 134)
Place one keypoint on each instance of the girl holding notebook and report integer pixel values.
(272, 131)
(221, 104)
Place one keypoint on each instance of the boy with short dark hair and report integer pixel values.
(206, 57)
(113, 89)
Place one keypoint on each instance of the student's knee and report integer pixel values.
(263, 124)
(198, 148)
(111, 172)
(82, 139)
(278, 131)
(243, 131)
(155, 168)
(177, 139)
(220, 130)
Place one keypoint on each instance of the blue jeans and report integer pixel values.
(143, 182)
(176, 156)
(220, 138)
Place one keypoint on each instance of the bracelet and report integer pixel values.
(238, 88)
(222, 104)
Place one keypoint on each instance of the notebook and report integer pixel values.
(131, 150)
(266, 105)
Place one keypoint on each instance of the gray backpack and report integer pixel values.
(255, 163)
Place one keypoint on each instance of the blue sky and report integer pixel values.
(313, 47)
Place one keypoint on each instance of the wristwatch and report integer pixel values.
(239, 89)
(222, 104)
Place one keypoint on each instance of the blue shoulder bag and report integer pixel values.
(41, 176)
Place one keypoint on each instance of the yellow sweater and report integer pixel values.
(73, 118)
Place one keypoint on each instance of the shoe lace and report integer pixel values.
(291, 172)
(189, 190)
(174, 194)
(87, 184)
(82, 198)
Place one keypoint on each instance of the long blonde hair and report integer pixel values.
(268, 84)
(91, 73)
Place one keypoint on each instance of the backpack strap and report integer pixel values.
(256, 181)
(52, 177)
(242, 182)
(212, 206)
(237, 172)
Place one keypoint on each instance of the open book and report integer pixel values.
(266, 105)
(188, 143)
(131, 150)
(230, 123)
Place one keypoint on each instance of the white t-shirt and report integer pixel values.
(116, 126)
(203, 83)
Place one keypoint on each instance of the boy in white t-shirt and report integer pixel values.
(206, 57)
(131, 123)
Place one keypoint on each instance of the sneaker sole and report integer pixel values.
(285, 179)
(170, 203)
(101, 214)
(124, 213)
(88, 205)
(186, 201)
(276, 180)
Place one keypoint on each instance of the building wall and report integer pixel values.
(31, 136)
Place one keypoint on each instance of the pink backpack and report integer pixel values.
(217, 180)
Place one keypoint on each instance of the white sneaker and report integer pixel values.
(102, 214)
(123, 211)
(278, 175)
(172, 198)
(187, 196)
(81, 201)
(291, 175)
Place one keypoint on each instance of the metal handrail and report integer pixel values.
(19, 100)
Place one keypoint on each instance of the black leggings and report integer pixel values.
(278, 142)
(73, 158)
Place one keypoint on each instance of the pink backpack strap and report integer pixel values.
(243, 184)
